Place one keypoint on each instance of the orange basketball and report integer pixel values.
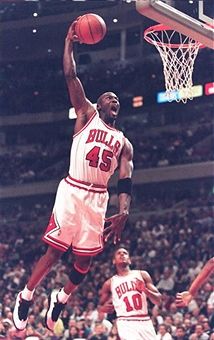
(90, 28)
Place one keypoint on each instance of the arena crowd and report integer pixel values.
(182, 237)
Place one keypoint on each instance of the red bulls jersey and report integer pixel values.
(126, 299)
(95, 151)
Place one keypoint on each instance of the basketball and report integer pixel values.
(90, 28)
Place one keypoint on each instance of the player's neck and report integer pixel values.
(107, 120)
(123, 270)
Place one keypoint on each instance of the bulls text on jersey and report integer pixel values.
(125, 287)
(104, 137)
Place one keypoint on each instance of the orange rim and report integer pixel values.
(162, 27)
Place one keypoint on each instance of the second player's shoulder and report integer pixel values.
(135, 273)
(107, 284)
(145, 275)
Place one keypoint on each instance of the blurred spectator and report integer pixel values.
(199, 333)
(163, 333)
(156, 317)
(113, 335)
(166, 282)
(101, 319)
(99, 332)
(158, 235)
(180, 334)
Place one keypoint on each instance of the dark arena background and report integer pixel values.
(169, 232)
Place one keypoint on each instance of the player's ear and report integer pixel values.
(98, 107)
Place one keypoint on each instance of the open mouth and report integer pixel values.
(114, 109)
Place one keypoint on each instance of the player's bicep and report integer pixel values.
(126, 160)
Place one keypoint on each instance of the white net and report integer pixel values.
(178, 53)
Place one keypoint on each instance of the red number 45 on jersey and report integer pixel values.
(93, 156)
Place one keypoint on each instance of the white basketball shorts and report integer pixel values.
(136, 329)
(77, 220)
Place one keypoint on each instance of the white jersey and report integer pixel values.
(95, 151)
(127, 300)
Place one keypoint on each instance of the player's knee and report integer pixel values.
(82, 262)
(77, 274)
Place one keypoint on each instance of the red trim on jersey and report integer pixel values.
(110, 127)
(133, 316)
(87, 183)
(85, 186)
(88, 122)
(125, 319)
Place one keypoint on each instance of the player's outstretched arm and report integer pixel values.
(184, 298)
(105, 302)
(147, 286)
(117, 222)
(81, 104)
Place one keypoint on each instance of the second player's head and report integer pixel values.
(121, 257)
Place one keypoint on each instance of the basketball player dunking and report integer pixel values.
(78, 216)
(127, 293)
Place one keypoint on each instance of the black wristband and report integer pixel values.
(124, 185)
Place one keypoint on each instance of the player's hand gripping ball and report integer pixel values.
(90, 28)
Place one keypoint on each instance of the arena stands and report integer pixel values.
(180, 232)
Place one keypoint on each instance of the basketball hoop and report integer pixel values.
(178, 53)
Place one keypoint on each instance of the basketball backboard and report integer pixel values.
(193, 18)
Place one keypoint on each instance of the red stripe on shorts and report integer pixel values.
(87, 252)
(85, 186)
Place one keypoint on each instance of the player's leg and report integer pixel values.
(43, 267)
(58, 299)
(24, 298)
